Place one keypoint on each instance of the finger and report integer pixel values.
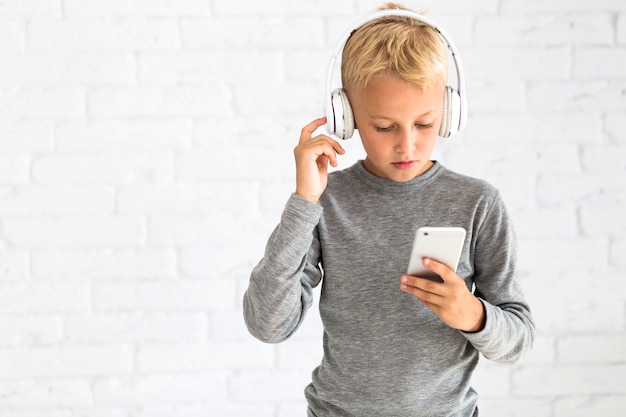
(422, 285)
(424, 294)
(442, 270)
(335, 148)
(308, 130)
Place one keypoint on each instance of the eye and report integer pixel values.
(383, 129)
(424, 125)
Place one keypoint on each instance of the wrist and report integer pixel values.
(480, 317)
(309, 197)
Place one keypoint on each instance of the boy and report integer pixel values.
(394, 345)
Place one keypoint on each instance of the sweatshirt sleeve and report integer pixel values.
(281, 285)
(509, 327)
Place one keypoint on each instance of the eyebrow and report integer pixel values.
(383, 117)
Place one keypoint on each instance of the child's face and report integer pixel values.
(398, 124)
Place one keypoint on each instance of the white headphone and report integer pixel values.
(339, 118)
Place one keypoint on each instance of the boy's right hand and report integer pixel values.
(312, 158)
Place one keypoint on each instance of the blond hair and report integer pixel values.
(402, 46)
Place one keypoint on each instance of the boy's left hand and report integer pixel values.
(450, 299)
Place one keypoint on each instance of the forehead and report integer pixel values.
(387, 96)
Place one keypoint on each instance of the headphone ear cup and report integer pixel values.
(342, 117)
(451, 113)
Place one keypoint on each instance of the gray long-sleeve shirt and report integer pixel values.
(385, 353)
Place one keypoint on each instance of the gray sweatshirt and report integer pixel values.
(385, 353)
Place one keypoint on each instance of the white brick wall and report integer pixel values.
(146, 153)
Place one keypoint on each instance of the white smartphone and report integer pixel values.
(443, 244)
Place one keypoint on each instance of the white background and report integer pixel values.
(146, 152)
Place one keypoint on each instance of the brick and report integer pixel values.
(164, 389)
(215, 230)
(104, 169)
(458, 26)
(617, 251)
(104, 264)
(123, 136)
(516, 6)
(298, 68)
(581, 316)
(434, 8)
(245, 131)
(520, 63)
(543, 351)
(44, 298)
(546, 223)
(56, 200)
(621, 28)
(228, 325)
(545, 29)
(299, 355)
(241, 163)
(274, 195)
(11, 35)
(189, 198)
(595, 350)
(613, 62)
(564, 252)
(496, 96)
(42, 102)
(211, 356)
(86, 68)
(102, 34)
(612, 158)
(21, 136)
(481, 161)
(29, 331)
(206, 66)
(66, 232)
(585, 189)
(263, 32)
(65, 361)
(292, 408)
(31, 8)
(492, 380)
(579, 291)
(22, 396)
(569, 380)
(14, 265)
(14, 169)
(172, 101)
(63, 412)
(187, 295)
(279, 100)
(276, 7)
(222, 408)
(575, 96)
(255, 386)
(540, 129)
(615, 125)
(603, 221)
(582, 406)
(517, 191)
(514, 407)
(135, 8)
(134, 327)
(220, 261)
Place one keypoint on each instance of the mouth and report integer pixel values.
(404, 164)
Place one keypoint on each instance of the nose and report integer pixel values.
(405, 142)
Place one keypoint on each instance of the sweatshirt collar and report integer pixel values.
(389, 185)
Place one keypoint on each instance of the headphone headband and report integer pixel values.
(460, 77)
